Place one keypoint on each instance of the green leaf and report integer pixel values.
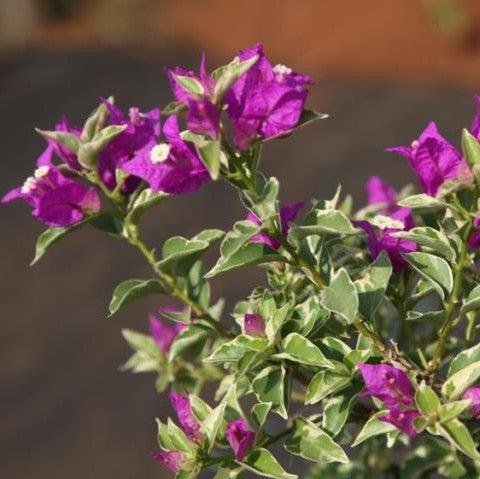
(453, 409)
(372, 285)
(274, 320)
(88, 152)
(144, 201)
(191, 85)
(147, 356)
(432, 316)
(427, 400)
(248, 255)
(241, 233)
(140, 342)
(459, 437)
(471, 148)
(434, 269)
(307, 440)
(323, 384)
(373, 427)
(265, 204)
(186, 339)
(178, 247)
(199, 407)
(178, 438)
(174, 108)
(51, 235)
(423, 201)
(309, 116)
(337, 409)
(163, 437)
(212, 423)
(260, 412)
(269, 387)
(262, 462)
(326, 221)
(131, 290)
(68, 140)
(457, 383)
(210, 152)
(430, 238)
(341, 296)
(299, 349)
(47, 239)
(95, 122)
(227, 75)
(472, 301)
(227, 471)
(464, 359)
(234, 350)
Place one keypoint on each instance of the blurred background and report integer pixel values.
(382, 70)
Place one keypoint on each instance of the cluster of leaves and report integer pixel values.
(326, 306)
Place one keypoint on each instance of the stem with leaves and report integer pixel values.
(450, 307)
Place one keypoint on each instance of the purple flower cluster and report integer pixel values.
(392, 386)
(435, 160)
(262, 102)
(382, 194)
(265, 102)
(55, 199)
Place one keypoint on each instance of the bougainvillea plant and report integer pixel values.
(362, 341)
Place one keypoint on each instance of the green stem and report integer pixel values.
(169, 283)
(450, 308)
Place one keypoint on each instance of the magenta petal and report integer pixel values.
(162, 334)
(402, 419)
(387, 383)
(173, 460)
(203, 118)
(288, 213)
(475, 128)
(15, 194)
(285, 107)
(188, 422)
(142, 131)
(435, 160)
(474, 240)
(240, 438)
(373, 242)
(61, 207)
(473, 394)
(379, 192)
(254, 325)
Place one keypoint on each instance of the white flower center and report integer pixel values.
(415, 144)
(282, 69)
(28, 185)
(41, 171)
(159, 153)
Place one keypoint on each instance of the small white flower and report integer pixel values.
(28, 185)
(282, 69)
(159, 153)
(41, 171)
